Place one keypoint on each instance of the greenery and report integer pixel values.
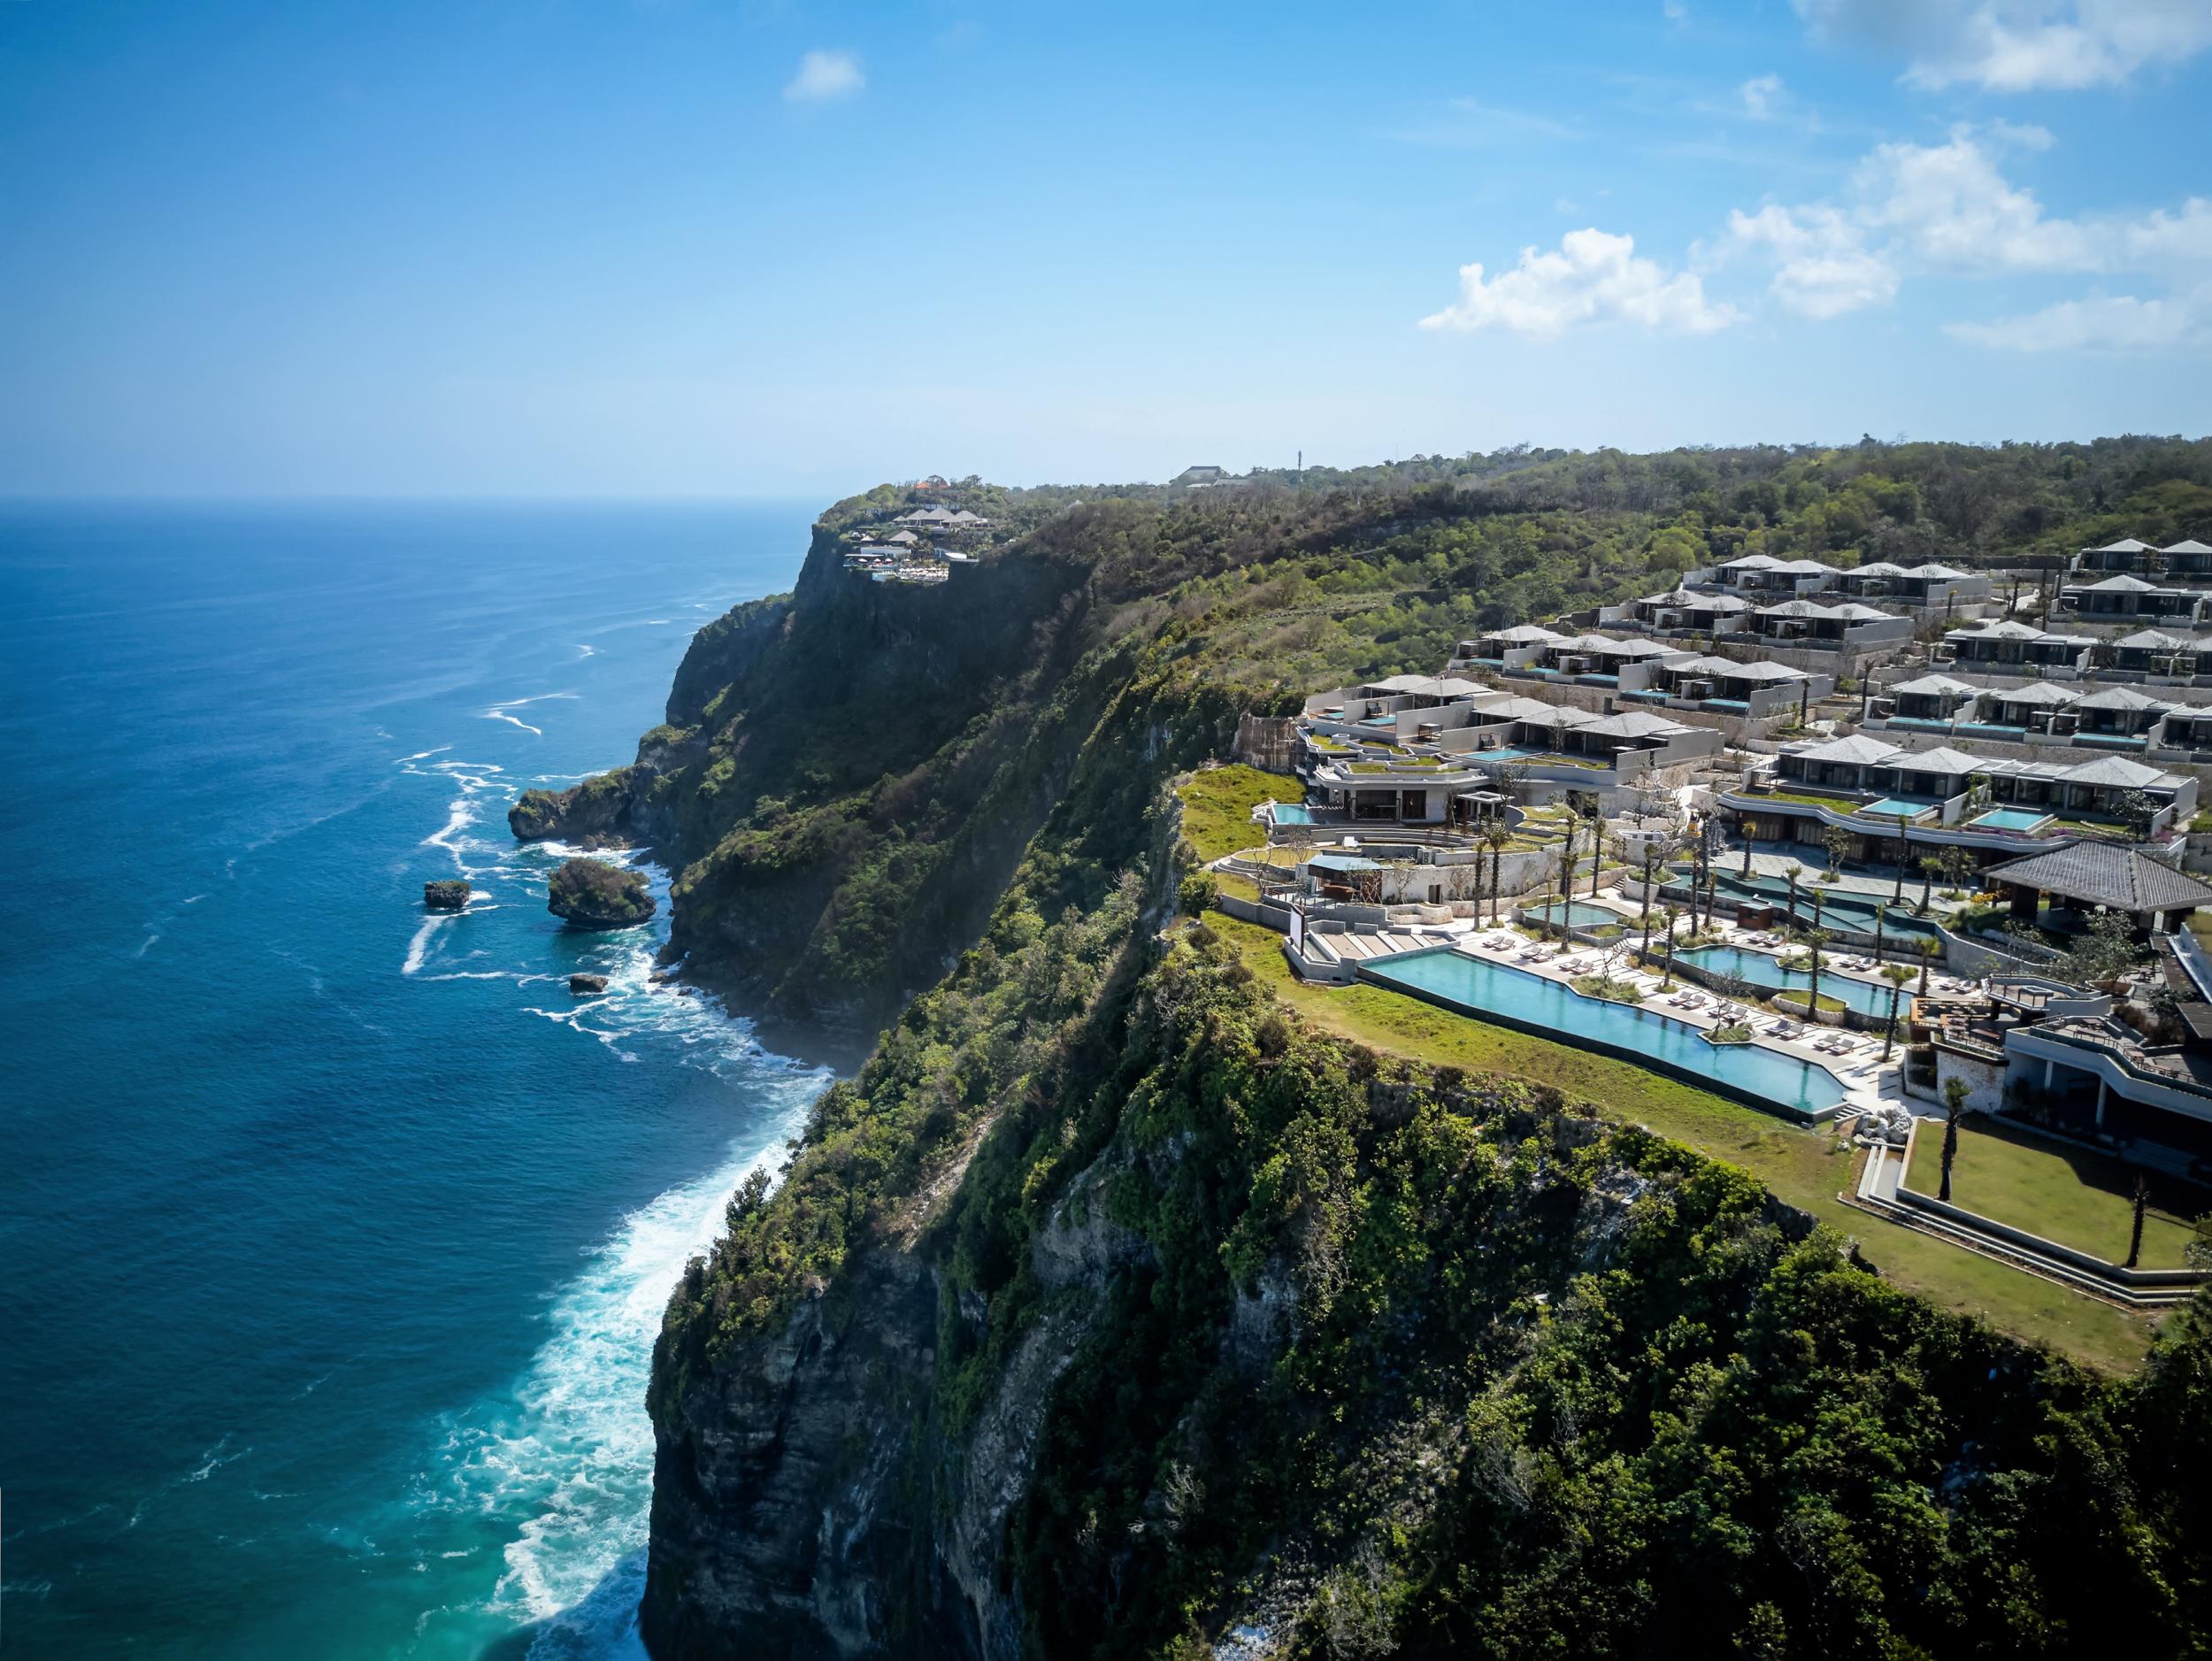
(1217, 805)
(2074, 1196)
(1410, 1348)
(597, 894)
(1618, 991)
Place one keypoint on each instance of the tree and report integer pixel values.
(1813, 939)
(1744, 825)
(1651, 858)
(1837, 841)
(1930, 867)
(1904, 858)
(2135, 1232)
(1670, 918)
(1881, 916)
(1956, 865)
(1793, 871)
(1495, 834)
(1955, 1104)
(2104, 951)
(1930, 949)
(1896, 975)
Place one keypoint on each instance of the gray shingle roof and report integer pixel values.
(1858, 748)
(1941, 760)
(2105, 874)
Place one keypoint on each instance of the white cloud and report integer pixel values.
(1824, 267)
(1953, 207)
(2018, 45)
(824, 75)
(2182, 238)
(1592, 277)
(2110, 323)
(1763, 96)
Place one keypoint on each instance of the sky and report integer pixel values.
(716, 247)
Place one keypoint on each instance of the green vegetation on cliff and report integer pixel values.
(593, 893)
(1241, 1323)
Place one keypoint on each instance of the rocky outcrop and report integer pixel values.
(449, 893)
(586, 985)
(592, 894)
(594, 814)
(772, 1474)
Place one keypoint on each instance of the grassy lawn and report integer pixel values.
(2078, 1198)
(1807, 1168)
(1217, 806)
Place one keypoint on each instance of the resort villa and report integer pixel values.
(2011, 645)
(1848, 625)
(1763, 574)
(1924, 587)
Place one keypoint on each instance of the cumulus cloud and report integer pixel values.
(1590, 277)
(1763, 96)
(2018, 45)
(1824, 267)
(2108, 323)
(1953, 207)
(825, 75)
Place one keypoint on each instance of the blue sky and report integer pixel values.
(686, 247)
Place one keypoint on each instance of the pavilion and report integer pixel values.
(2090, 873)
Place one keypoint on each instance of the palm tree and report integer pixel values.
(1929, 950)
(1896, 975)
(1793, 871)
(1955, 1104)
(1881, 915)
(1670, 918)
(1904, 858)
(1496, 835)
(1813, 938)
(1929, 867)
(2142, 1204)
(1651, 858)
(1746, 872)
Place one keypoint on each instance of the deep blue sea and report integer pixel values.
(333, 1235)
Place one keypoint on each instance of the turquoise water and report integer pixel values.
(1483, 987)
(1292, 813)
(1580, 914)
(336, 1234)
(1890, 807)
(1761, 970)
(1853, 910)
(2012, 819)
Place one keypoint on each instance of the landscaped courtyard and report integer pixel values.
(2073, 1195)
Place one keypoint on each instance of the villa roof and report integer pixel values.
(2153, 639)
(2039, 692)
(1634, 647)
(1453, 687)
(2191, 546)
(1878, 568)
(2125, 545)
(1850, 611)
(1401, 683)
(2118, 698)
(2120, 585)
(1690, 601)
(1702, 666)
(1858, 748)
(2099, 872)
(1805, 567)
(1582, 642)
(1633, 724)
(1935, 572)
(1942, 760)
(1935, 685)
(1522, 634)
(2115, 770)
(1760, 671)
(1342, 862)
(1753, 562)
(1534, 710)
(2005, 630)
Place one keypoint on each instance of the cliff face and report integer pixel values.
(1109, 1311)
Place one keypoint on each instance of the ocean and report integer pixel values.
(334, 1235)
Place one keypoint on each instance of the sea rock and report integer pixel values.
(595, 813)
(449, 893)
(586, 985)
(592, 894)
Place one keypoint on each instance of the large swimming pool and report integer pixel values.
(1845, 908)
(1292, 813)
(1748, 1073)
(1761, 970)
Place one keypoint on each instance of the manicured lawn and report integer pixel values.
(1217, 806)
(2078, 1198)
(1807, 1168)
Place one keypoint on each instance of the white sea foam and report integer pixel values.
(502, 715)
(419, 947)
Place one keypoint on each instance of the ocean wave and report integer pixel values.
(419, 948)
(502, 715)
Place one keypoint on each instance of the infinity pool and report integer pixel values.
(1851, 909)
(1292, 813)
(1763, 971)
(1551, 1009)
(1580, 914)
(2013, 819)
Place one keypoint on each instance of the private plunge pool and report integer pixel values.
(1290, 813)
(1751, 1074)
(1767, 973)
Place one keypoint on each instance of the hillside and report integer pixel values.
(1113, 1307)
